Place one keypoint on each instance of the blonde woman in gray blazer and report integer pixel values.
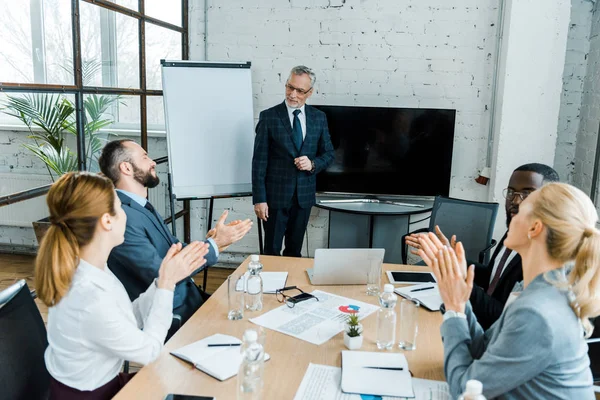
(537, 349)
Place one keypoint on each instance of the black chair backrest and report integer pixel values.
(23, 340)
(471, 221)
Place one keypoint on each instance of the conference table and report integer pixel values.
(290, 357)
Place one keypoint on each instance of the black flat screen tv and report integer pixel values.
(389, 151)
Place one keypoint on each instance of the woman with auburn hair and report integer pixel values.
(537, 349)
(92, 325)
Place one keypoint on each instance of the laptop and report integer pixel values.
(342, 266)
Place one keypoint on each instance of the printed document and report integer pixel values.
(314, 321)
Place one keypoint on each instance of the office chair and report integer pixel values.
(23, 340)
(471, 221)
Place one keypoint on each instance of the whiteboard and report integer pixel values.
(210, 127)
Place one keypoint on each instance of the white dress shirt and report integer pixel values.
(301, 117)
(95, 327)
(497, 261)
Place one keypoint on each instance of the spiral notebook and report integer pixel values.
(427, 294)
(219, 362)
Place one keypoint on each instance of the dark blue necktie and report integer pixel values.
(297, 131)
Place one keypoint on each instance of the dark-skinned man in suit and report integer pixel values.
(291, 146)
(495, 282)
(147, 239)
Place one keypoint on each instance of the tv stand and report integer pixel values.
(371, 222)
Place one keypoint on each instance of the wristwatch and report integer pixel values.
(454, 314)
(312, 169)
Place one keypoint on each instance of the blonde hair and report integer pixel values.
(76, 202)
(570, 219)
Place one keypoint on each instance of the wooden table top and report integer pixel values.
(289, 356)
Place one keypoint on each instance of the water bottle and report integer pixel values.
(255, 263)
(386, 318)
(250, 374)
(254, 285)
(473, 391)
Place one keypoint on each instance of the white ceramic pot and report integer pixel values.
(353, 343)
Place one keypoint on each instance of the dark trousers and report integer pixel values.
(59, 391)
(289, 223)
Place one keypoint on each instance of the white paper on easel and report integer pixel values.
(315, 321)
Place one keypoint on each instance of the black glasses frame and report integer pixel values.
(291, 301)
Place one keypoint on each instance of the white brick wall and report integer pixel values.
(578, 44)
(590, 112)
(417, 53)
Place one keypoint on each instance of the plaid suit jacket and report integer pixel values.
(274, 175)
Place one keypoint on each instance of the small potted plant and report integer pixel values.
(353, 333)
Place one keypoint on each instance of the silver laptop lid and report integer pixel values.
(343, 266)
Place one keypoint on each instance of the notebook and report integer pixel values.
(272, 281)
(219, 362)
(427, 294)
(357, 378)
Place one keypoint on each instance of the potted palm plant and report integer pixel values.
(353, 333)
(50, 119)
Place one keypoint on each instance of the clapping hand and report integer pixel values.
(412, 240)
(226, 234)
(211, 233)
(179, 263)
(449, 266)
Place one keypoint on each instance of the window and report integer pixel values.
(40, 52)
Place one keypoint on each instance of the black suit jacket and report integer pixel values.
(489, 308)
(275, 178)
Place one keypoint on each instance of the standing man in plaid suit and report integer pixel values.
(291, 146)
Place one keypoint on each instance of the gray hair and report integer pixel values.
(300, 70)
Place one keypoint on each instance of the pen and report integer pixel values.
(423, 288)
(224, 344)
(388, 368)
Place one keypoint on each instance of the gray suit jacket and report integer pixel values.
(536, 350)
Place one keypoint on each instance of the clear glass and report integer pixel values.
(131, 4)
(409, 315)
(37, 42)
(109, 48)
(235, 296)
(161, 43)
(373, 276)
(164, 10)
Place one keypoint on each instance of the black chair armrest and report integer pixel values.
(405, 246)
(482, 252)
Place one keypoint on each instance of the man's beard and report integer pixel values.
(145, 177)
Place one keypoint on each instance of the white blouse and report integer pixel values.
(95, 327)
